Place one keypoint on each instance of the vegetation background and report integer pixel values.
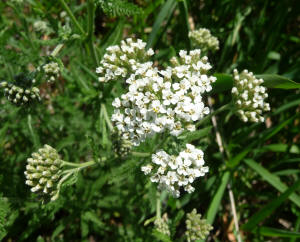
(112, 201)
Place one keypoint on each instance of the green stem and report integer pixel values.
(79, 166)
(140, 154)
(105, 114)
(158, 205)
(89, 38)
(57, 50)
(71, 15)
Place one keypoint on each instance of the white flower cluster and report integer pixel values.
(43, 172)
(52, 71)
(121, 61)
(172, 172)
(41, 26)
(202, 38)
(249, 96)
(167, 100)
(19, 95)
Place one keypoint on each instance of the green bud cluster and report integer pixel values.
(43, 173)
(202, 38)
(197, 228)
(19, 95)
(161, 225)
(52, 71)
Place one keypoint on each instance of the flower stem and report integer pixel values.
(140, 154)
(71, 15)
(90, 31)
(158, 205)
(79, 166)
(105, 114)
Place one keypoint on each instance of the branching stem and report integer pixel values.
(107, 119)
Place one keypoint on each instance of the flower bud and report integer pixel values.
(19, 95)
(249, 96)
(43, 173)
(196, 228)
(202, 38)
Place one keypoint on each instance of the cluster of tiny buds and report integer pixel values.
(161, 225)
(43, 172)
(196, 228)
(172, 172)
(52, 71)
(249, 96)
(163, 100)
(120, 62)
(19, 95)
(202, 38)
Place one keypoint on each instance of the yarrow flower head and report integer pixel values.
(20, 95)
(197, 228)
(121, 61)
(173, 172)
(168, 100)
(43, 173)
(249, 96)
(202, 38)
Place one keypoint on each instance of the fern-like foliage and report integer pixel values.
(119, 7)
(4, 211)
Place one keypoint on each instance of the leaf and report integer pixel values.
(119, 8)
(114, 37)
(237, 159)
(276, 81)
(165, 12)
(223, 83)
(269, 208)
(160, 236)
(272, 232)
(90, 216)
(215, 203)
(272, 179)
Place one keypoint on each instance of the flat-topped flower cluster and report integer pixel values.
(161, 100)
(121, 61)
(249, 96)
(172, 172)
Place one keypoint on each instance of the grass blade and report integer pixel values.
(215, 203)
(164, 13)
(272, 179)
(269, 208)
